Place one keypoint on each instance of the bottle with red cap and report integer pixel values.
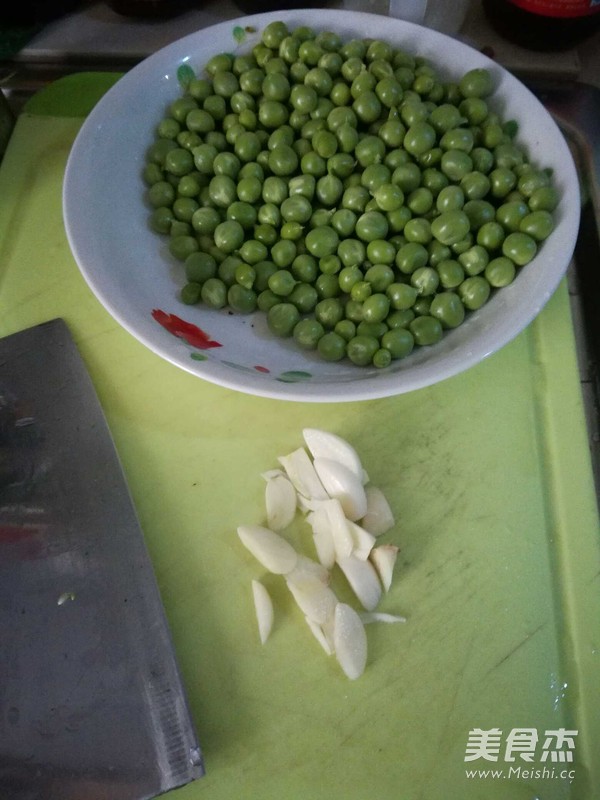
(544, 24)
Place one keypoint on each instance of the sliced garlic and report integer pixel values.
(383, 558)
(343, 542)
(264, 610)
(362, 577)
(379, 616)
(350, 641)
(269, 548)
(306, 566)
(379, 517)
(300, 470)
(323, 444)
(319, 635)
(363, 541)
(280, 502)
(343, 485)
(316, 600)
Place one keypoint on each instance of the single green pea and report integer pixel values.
(161, 219)
(426, 330)
(304, 268)
(411, 256)
(400, 319)
(331, 346)
(346, 329)
(425, 280)
(418, 229)
(266, 300)
(399, 342)
(229, 236)
(322, 241)
(544, 198)
(304, 297)
(344, 221)
(361, 349)
(448, 308)
(214, 293)
(307, 333)
(282, 319)
(478, 212)
(327, 286)
(190, 293)
(241, 299)
(419, 138)
(474, 260)
(380, 276)
(538, 224)
(476, 82)
(474, 292)
(371, 225)
(199, 267)
(284, 252)
(450, 226)
(500, 272)
(329, 312)
(490, 236)
(519, 247)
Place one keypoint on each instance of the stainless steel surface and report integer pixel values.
(91, 701)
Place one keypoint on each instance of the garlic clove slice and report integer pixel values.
(379, 616)
(306, 566)
(362, 577)
(263, 608)
(322, 538)
(343, 542)
(383, 559)
(350, 641)
(300, 470)
(363, 541)
(269, 548)
(378, 518)
(316, 600)
(323, 444)
(280, 502)
(319, 635)
(343, 485)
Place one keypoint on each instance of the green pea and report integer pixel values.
(399, 342)
(304, 267)
(538, 224)
(456, 164)
(519, 247)
(419, 138)
(371, 225)
(304, 297)
(266, 300)
(500, 272)
(476, 82)
(425, 280)
(478, 212)
(190, 293)
(490, 236)
(241, 299)
(361, 349)
(329, 312)
(380, 276)
(199, 267)
(284, 252)
(344, 221)
(411, 256)
(474, 292)
(282, 319)
(474, 260)
(331, 346)
(544, 198)
(448, 308)
(322, 241)
(426, 330)
(360, 291)
(450, 226)
(214, 293)
(307, 333)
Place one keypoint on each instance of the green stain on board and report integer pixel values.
(198, 357)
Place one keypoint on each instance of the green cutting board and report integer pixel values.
(489, 477)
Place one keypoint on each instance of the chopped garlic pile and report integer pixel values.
(326, 482)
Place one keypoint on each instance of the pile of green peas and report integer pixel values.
(346, 190)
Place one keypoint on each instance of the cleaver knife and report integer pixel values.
(92, 705)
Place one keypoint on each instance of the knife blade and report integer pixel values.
(92, 703)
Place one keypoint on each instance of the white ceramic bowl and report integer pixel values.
(129, 269)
